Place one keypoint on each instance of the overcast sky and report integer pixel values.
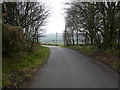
(56, 22)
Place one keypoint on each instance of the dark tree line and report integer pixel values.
(97, 22)
(22, 25)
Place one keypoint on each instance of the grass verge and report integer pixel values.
(109, 56)
(52, 45)
(20, 68)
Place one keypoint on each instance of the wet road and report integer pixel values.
(67, 68)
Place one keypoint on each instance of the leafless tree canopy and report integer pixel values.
(97, 22)
(29, 17)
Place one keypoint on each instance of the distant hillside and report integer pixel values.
(51, 38)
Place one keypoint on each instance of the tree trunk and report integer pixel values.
(77, 37)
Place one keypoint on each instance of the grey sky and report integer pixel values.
(56, 22)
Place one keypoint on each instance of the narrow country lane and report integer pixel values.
(67, 68)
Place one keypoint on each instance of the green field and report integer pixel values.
(51, 39)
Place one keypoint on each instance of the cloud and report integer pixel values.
(56, 22)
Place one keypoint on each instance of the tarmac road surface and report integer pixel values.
(67, 68)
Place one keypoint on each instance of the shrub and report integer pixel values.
(12, 40)
(111, 51)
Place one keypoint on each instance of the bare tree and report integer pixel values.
(29, 16)
(98, 22)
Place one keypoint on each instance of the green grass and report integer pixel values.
(12, 68)
(51, 44)
(88, 49)
(58, 43)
